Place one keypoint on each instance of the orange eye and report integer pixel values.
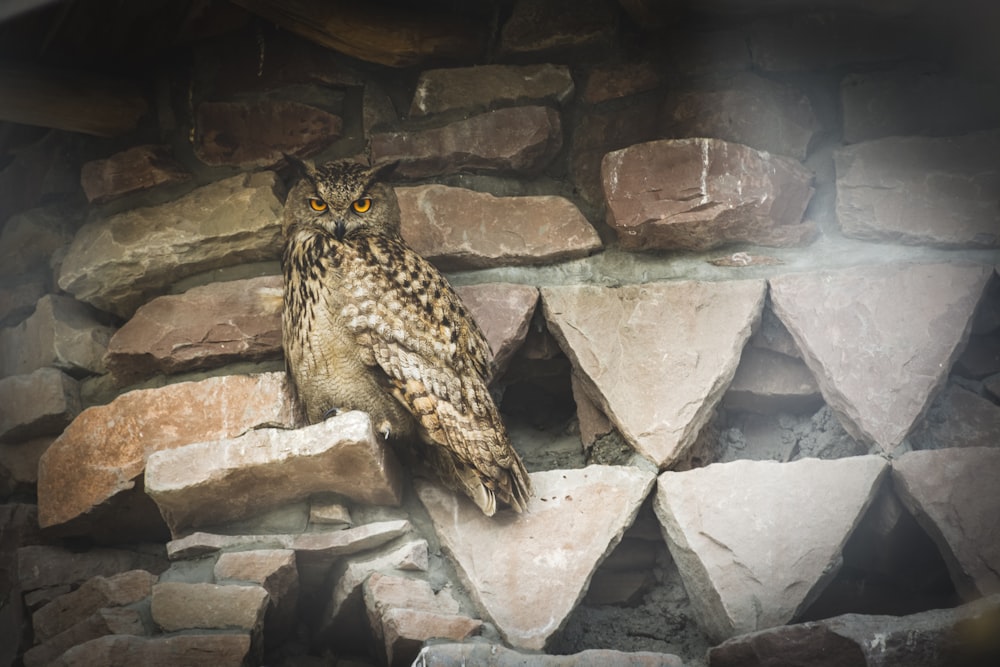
(317, 205)
(362, 205)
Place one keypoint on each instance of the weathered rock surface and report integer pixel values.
(118, 262)
(610, 82)
(514, 139)
(43, 566)
(100, 623)
(958, 418)
(495, 655)
(769, 382)
(276, 572)
(204, 327)
(953, 496)
(573, 521)
(880, 340)
(94, 594)
(744, 109)
(655, 358)
(503, 312)
(912, 101)
(37, 404)
(18, 301)
(181, 606)
(489, 86)
(19, 464)
(257, 134)
(132, 170)
(209, 650)
(62, 333)
(216, 481)
(458, 228)
(557, 26)
(104, 451)
(920, 190)
(937, 638)
(757, 541)
(29, 240)
(697, 194)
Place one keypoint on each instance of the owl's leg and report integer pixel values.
(385, 428)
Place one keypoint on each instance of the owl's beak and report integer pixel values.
(339, 229)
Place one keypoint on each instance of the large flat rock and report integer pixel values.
(573, 521)
(937, 191)
(880, 339)
(702, 193)
(104, 451)
(496, 655)
(655, 358)
(212, 482)
(953, 495)
(757, 541)
(118, 262)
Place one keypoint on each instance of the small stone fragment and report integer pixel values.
(40, 403)
(132, 170)
(489, 86)
(329, 513)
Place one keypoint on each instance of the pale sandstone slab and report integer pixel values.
(191, 650)
(182, 606)
(939, 191)
(573, 521)
(102, 453)
(216, 481)
(319, 544)
(488, 86)
(880, 340)
(72, 608)
(702, 193)
(953, 495)
(495, 655)
(133, 170)
(655, 358)
(513, 139)
(118, 262)
(102, 622)
(62, 333)
(457, 228)
(37, 404)
(767, 382)
(44, 566)
(757, 541)
(205, 327)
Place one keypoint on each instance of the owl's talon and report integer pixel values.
(332, 412)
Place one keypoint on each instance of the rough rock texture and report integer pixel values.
(880, 339)
(40, 403)
(458, 228)
(62, 333)
(757, 541)
(573, 521)
(958, 418)
(132, 170)
(655, 358)
(204, 327)
(952, 494)
(29, 240)
(495, 655)
(214, 650)
(118, 262)
(503, 312)
(19, 464)
(276, 572)
(697, 194)
(935, 191)
(258, 134)
(744, 109)
(100, 623)
(769, 382)
(216, 481)
(557, 26)
(96, 593)
(44, 566)
(963, 636)
(517, 138)
(610, 82)
(488, 86)
(103, 452)
(182, 606)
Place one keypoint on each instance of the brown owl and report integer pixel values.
(370, 325)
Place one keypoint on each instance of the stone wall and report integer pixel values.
(737, 268)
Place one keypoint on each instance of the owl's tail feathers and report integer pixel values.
(510, 486)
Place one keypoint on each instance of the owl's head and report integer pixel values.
(344, 198)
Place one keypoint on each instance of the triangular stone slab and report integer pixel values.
(656, 357)
(528, 571)
(880, 339)
(756, 541)
(953, 495)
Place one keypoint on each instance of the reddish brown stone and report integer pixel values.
(696, 194)
(523, 139)
(489, 86)
(610, 82)
(275, 570)
(257, 135)
(503, 312)
(133, 170)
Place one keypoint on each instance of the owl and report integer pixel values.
(368, 324)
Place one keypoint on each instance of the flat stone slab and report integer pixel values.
(953, 495)
(768, 382)
(574, 520)
(37, 404)
(496, 655)
(94, 594)
(45, 566)
(757, 541)
(457, 228)
(319, 544)
(701, 193)
(212, 482)
(205, 327)
(880, 340)
(104, 451)
(178, 605)
(133, 170)
(938, 191)
(655, 358)
(488, 86)
(118, 262)
(117, 621)
(208, 650)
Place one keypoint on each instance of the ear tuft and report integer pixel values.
(385, 170)
(301, 167)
